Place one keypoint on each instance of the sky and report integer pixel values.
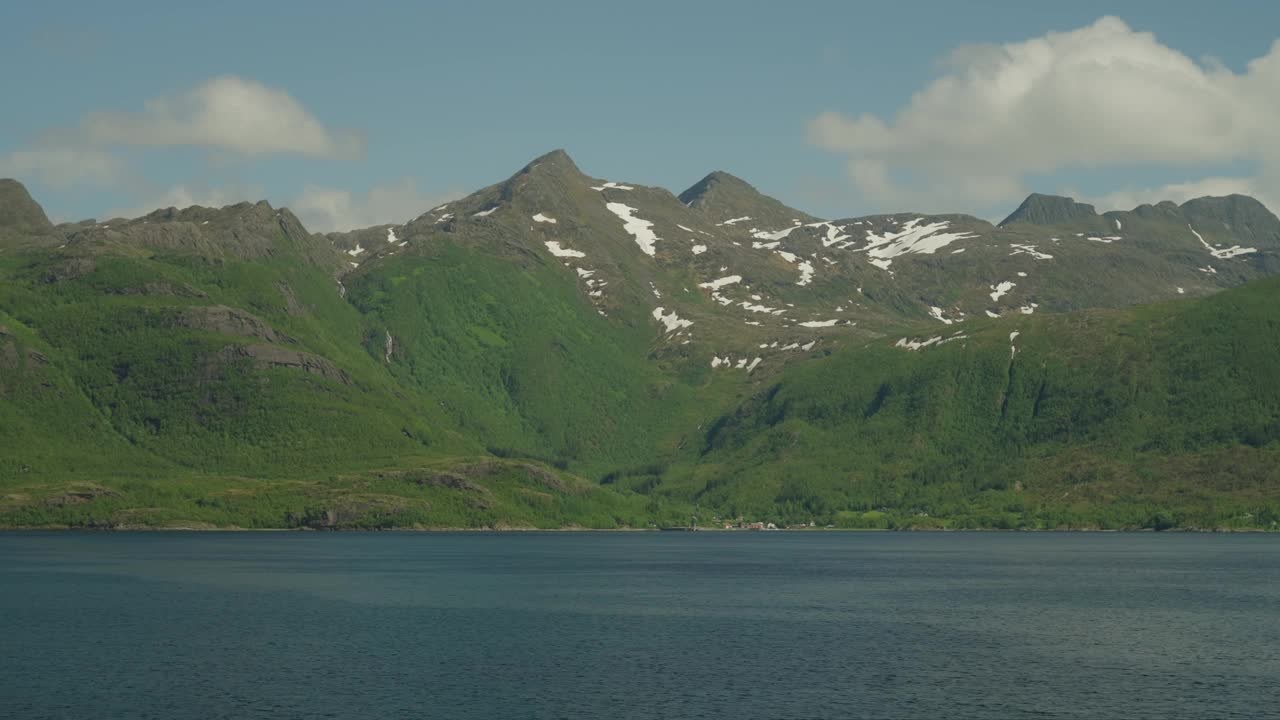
(355, 114)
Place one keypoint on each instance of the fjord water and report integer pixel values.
(639, 625)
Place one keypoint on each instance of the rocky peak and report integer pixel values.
(1240, 215)
(1040, 209)
(555, 165)
(244, 230)
(19, 212)
(548, 176)
(724, 196)
(716, 183)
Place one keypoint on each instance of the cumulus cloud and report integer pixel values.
(1096, 97)
(62, 167)
(229, 113)
(324, 209)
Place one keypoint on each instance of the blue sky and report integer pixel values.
(428, 100)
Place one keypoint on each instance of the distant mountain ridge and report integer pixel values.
(557, 349)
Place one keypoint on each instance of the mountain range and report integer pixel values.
(558, 350)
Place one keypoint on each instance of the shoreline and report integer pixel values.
(515, 530)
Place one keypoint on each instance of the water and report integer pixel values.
(639, 625)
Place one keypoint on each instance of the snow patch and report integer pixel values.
(356, 251)
(639, 229)
(717, 284)
(1224, 254)
(936, 314)
(391, 235)
(819, 323)
(672, 321)
(1029, 250)
(771, 235)
(486, 213)
(914, 344)
(806, 273)
(612, 186)
(912, 239)
(999, 290)
(554, 247)
(699, 249)
(734, 220)
(543, 219)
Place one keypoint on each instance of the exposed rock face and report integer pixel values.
(1040, 209)
(230, 321)
(163, 289)
(273, 356)
(12, 357)
(79, 496)
(70, 269)
(291, 303)
(245, 231)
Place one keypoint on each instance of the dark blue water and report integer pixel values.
(639, 625)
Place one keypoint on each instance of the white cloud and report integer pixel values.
(62, 167)
(324, 209)
(1097, 97)
(230, 113)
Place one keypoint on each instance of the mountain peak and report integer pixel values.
(18, 211)
(1040, 209)
(723, 194)
(717, 182)
(1240, 215)
(556, 162)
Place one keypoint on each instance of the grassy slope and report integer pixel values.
(136, 418)
(1162, 414)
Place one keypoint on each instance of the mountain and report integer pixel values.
(245, 231)
(558, 349)
(1040, 209)
(723, 197)
(1099, 419)
(20, 215)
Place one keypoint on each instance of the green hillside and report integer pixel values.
(559, 350)
(1165, 414)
